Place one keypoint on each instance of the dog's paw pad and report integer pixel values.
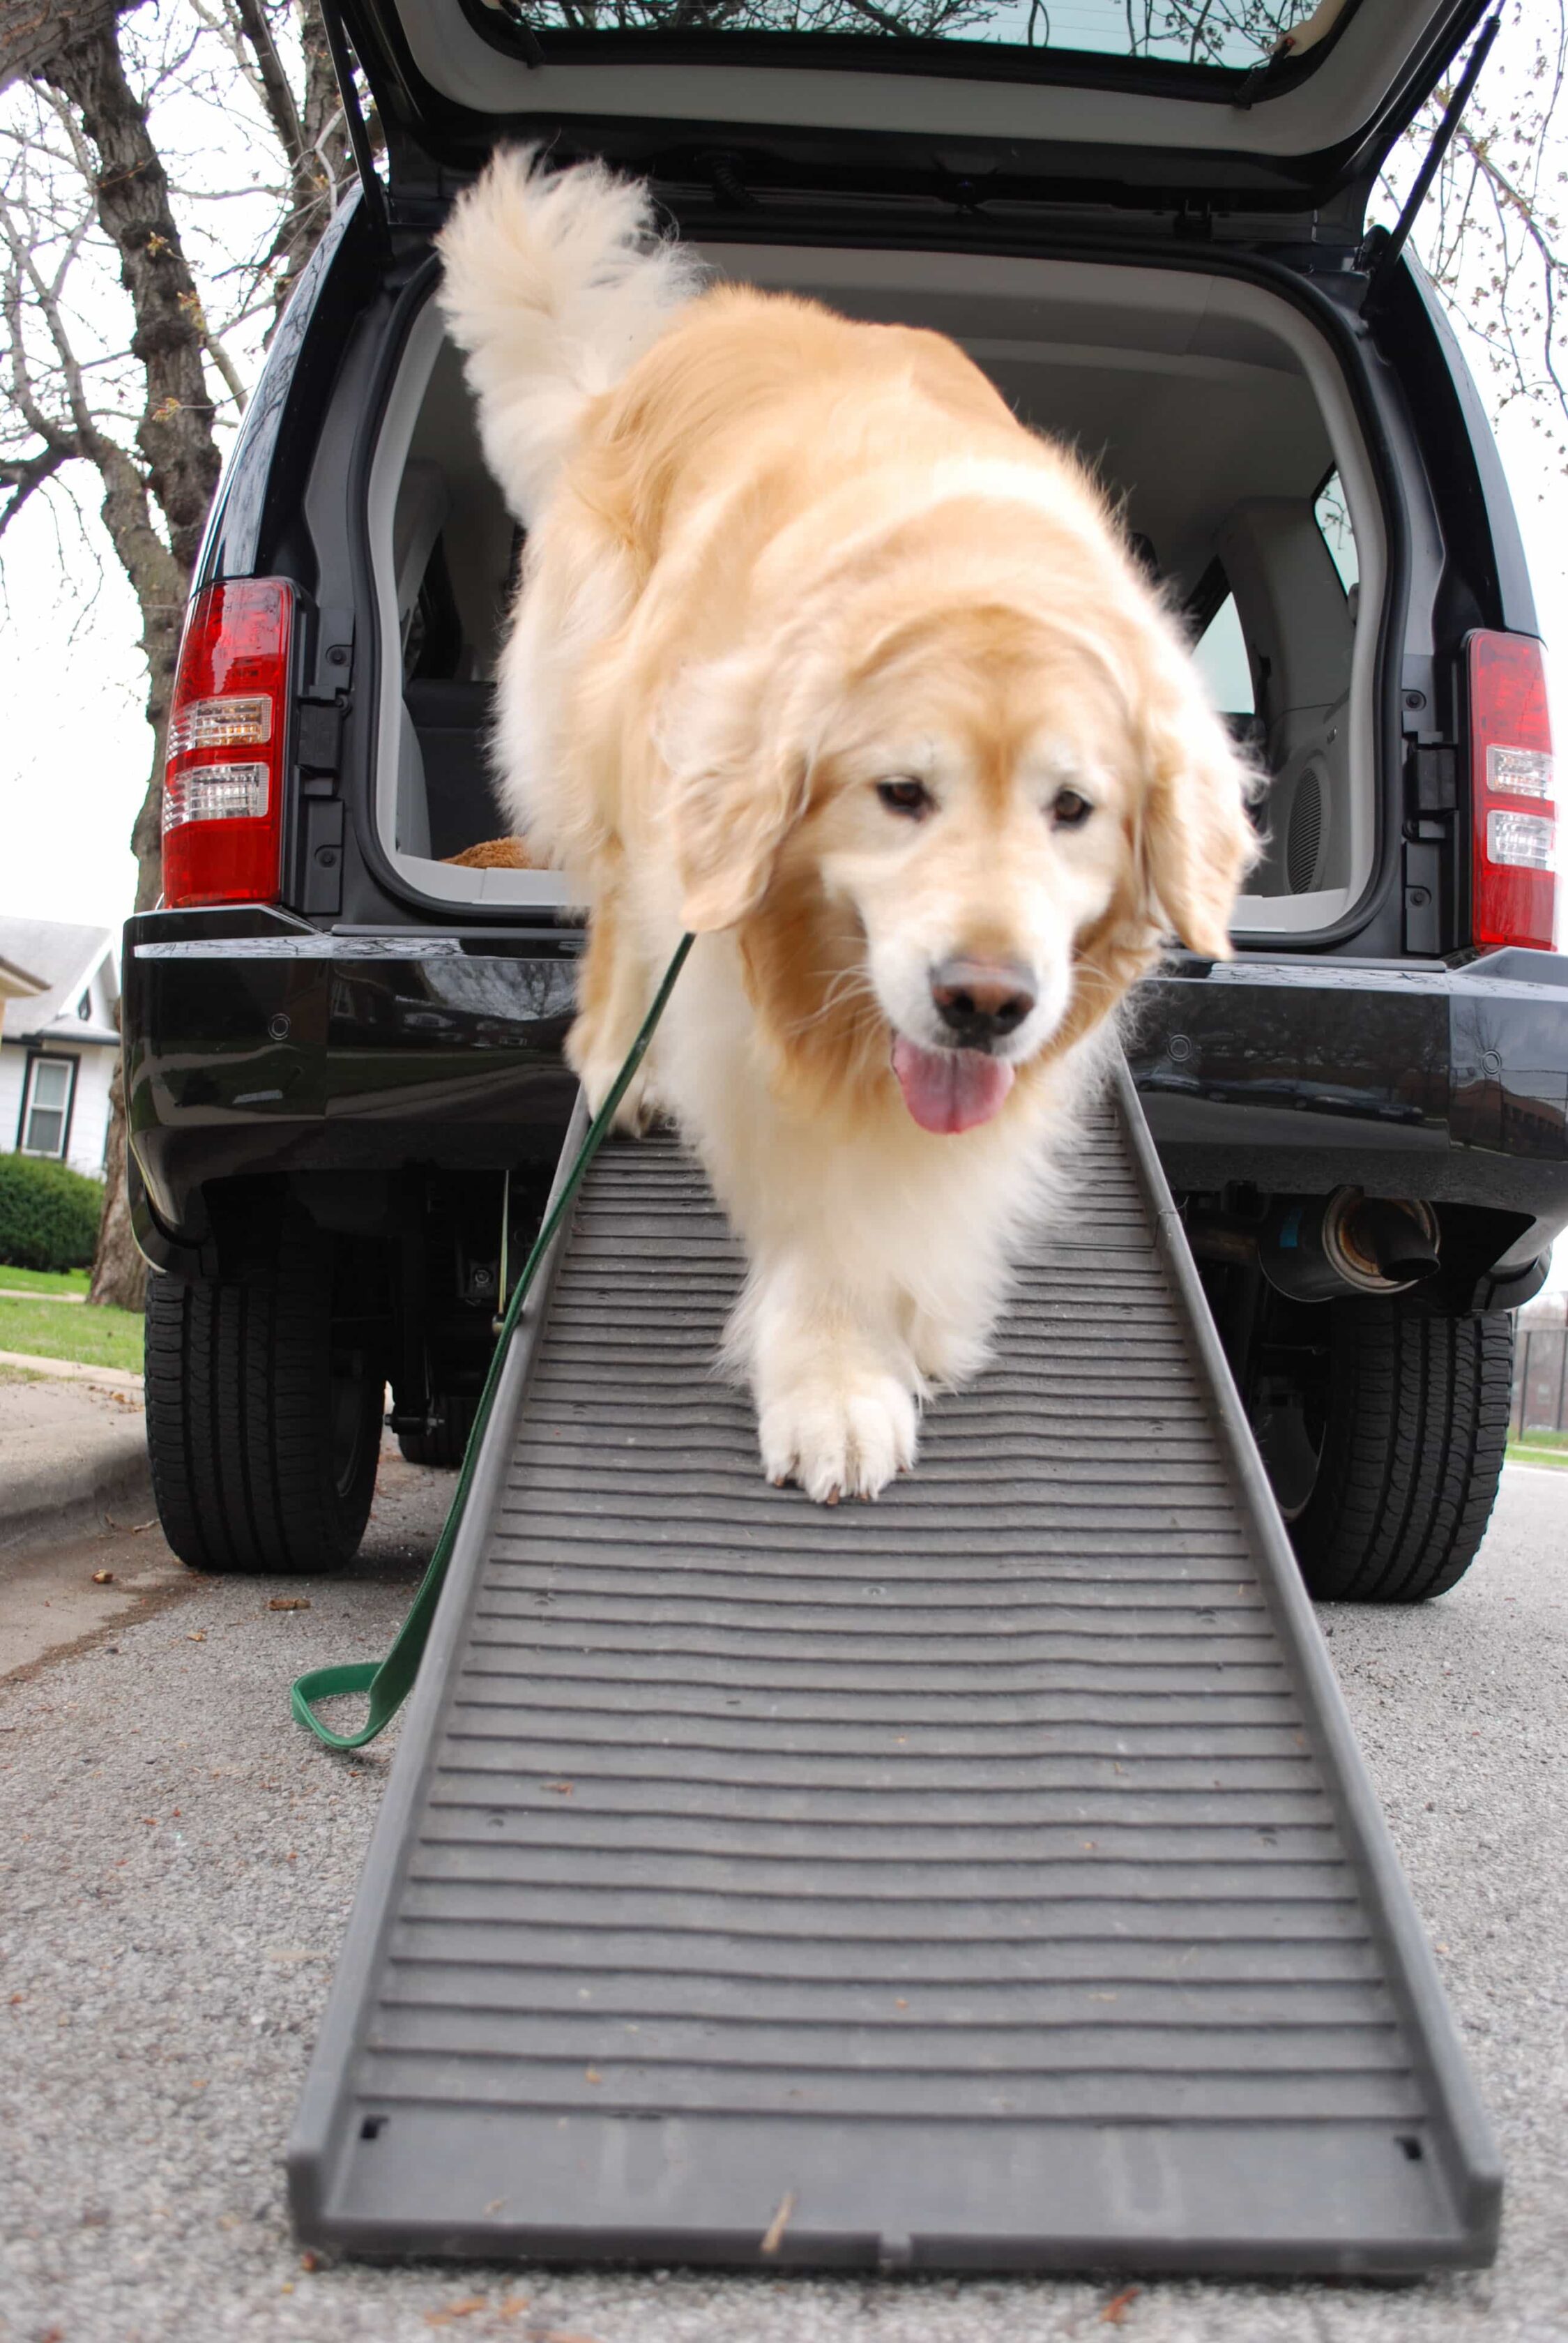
(840, 1440)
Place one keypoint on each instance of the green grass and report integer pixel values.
(93, 1338)
(1541, 1448)
(44, 1280)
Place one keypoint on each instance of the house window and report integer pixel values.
(47, 1105)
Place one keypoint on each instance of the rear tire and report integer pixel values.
(445, 1446)
(262, 1434)
(1409, 1436)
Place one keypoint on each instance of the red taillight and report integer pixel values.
(1514, 820)
(223, 779)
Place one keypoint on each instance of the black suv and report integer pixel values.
(344, 1045)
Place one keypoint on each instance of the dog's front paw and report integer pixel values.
(839, 1437)
(639, 1112)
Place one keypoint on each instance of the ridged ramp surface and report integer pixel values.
(984, 1876)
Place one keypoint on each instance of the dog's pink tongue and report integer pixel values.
(950, 1090)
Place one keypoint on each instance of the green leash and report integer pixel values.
(389, 1681)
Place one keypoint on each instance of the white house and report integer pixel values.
(59, 990)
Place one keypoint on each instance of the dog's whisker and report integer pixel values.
(842, 988)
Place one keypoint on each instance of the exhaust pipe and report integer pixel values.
(1322, 1248)
(1317, 1248)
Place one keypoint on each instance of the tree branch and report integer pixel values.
(227, 368)
(23, 477)
(281, 109)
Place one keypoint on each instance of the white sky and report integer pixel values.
(74, 745)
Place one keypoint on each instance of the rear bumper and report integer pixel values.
(257, 1046)
(278, 1049)
(1407, 1080)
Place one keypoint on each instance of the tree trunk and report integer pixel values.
(176, 441)
(119, 1273)
(33, 32)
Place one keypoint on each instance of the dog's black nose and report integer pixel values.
(981, 1000)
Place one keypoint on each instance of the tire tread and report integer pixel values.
(1418, 1423)
(238, 1389)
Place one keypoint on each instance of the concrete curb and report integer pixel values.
(104, 1468)
(70, 1370)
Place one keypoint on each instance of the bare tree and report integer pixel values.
(85, 195)
(1494, 234)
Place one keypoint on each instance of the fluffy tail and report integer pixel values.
(555, 285)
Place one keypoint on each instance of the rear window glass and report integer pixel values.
(1221, 656)
(1333, 516)
(1234, 34)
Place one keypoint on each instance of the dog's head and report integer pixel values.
(952, 822)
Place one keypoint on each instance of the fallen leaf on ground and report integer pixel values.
(592, 2075)
(308, 2260)
(513, 2305)
(1116, 2308)
(561, 1789)
(464, 2309)
(289, 1603)
(102, 1577)
(559, 2334)
(773, 2236)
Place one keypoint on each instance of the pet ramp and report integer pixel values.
(984, 1878)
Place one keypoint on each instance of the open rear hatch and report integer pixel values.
(966, 177)
(1188, 106)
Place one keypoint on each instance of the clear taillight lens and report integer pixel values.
(223, 808)
(220, 724)
(1515, 822)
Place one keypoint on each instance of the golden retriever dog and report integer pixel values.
(821, 654)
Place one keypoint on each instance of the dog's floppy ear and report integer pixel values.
(1196, 841)
(739, 785)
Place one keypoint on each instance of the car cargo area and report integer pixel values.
(1213, 410)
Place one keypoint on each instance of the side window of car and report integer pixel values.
(1333, 516)
(1221, 652)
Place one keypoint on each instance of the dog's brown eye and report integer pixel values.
(1069, 810)
(911, 798)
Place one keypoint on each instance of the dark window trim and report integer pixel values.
(510, 32)
(48, 1058)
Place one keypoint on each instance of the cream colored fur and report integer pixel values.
(778, 561)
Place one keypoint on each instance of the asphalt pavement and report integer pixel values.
(178, 1869)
